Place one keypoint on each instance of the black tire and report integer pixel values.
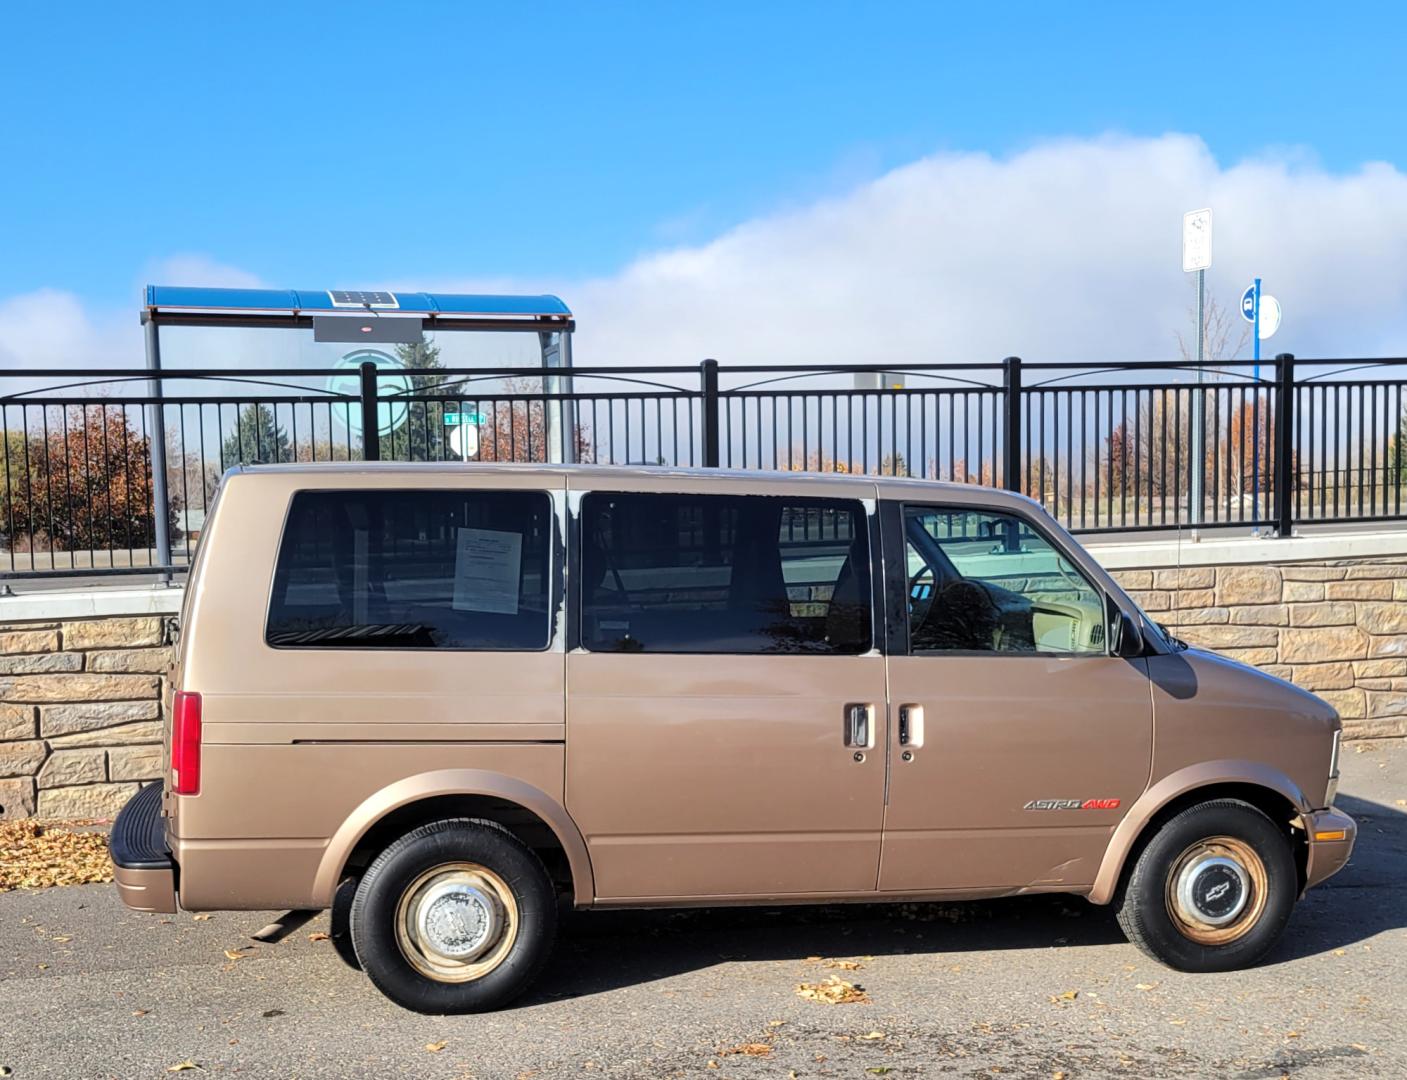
(483, 844)
(1145, 907)
(341, 919)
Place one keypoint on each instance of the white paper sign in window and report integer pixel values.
(488, 564)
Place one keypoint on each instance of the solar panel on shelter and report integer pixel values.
(348, 298)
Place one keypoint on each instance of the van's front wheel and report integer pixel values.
(456, 916)
(1213, 889)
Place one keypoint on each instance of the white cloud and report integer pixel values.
(50, 328)
(201, 271)
(1067, 251)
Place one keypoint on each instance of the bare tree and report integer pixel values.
(1223, 328)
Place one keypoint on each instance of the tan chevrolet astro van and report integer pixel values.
(440, 699)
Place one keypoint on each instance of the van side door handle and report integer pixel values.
(910, 725)
(859, 725)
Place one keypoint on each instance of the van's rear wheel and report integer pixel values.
(456, 916)
(1213, 889)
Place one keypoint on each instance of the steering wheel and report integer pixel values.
(918, 618)
(1075, 583)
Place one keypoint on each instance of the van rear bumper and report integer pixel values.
(142, 866)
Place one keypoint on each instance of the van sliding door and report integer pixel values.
(725, 699)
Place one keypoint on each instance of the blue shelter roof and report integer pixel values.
(180, 297)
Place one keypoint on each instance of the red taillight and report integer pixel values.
(185, 743)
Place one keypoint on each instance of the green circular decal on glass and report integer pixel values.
(346, 380)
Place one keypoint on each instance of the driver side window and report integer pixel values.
(983, 581)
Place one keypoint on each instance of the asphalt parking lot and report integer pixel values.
(1038, 987)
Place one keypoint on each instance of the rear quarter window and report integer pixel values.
(665, 573)
(438, 569)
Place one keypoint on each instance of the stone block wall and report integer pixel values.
(81, 709)
(83, 700)
(1337, 628)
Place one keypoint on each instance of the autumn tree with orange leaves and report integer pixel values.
(517, 430)
(86, 484)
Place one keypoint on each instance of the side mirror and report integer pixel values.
(1126, 640)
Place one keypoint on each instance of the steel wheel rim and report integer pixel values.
(1202, 890)
(457, 922)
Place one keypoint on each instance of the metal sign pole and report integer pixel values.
(1255, 421)
(1198, 408)
(1197, 257)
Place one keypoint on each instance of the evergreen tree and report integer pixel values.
(258, 438)
(1397, 452)
(420, 436)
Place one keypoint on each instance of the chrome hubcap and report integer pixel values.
(1212, 889)
(1217, 890)
(456, 922)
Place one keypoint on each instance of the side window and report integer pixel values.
(724, 574)
(414, 570)
(985, 582)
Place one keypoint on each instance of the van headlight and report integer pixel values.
(1333, 788)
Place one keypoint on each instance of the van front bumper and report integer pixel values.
(142, 866)
(1330, 836)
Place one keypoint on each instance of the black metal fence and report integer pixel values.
(97, 478)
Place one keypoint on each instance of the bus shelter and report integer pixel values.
(203, 332)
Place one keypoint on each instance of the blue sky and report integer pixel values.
(359, 144)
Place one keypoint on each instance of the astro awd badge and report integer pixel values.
(1072, 804)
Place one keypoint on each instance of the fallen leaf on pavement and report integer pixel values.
(834, 991)
(34, 856)
(140, 1012)
(319, 935)
(202, 917)
(1145, 986)
(1068, 995)
(435, 1048)
(843, 965)
(183, 1066)
(752, 1049)
(236, 954)
(871, 1037)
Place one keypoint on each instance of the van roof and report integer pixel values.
(589, 473)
